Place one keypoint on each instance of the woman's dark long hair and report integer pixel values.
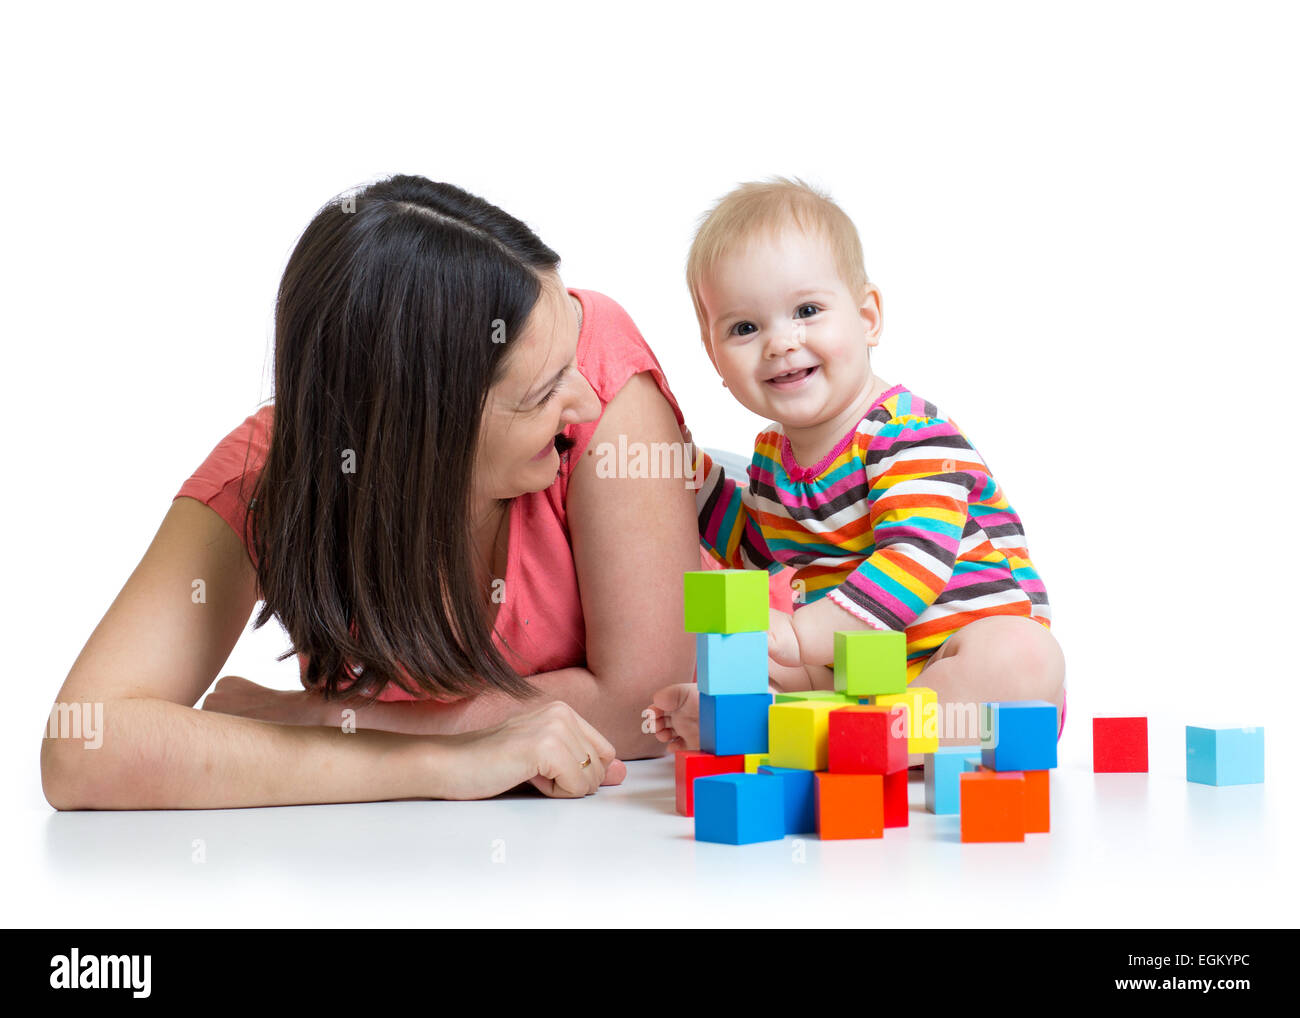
(384, 354)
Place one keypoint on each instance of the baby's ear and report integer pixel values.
(870, 310)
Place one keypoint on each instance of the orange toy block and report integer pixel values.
(1038, 799)
(850, 805)
(992, 806)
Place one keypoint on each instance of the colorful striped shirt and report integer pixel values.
(901, 524)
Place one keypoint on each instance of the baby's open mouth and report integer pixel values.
(791, 377)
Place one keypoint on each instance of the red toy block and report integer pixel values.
(850, 805)
(895, 792)
(992, 806)
(867, 740)
(691, 764)
(1119, 745)
(1038, 799)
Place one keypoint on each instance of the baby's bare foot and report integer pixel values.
(674, 717)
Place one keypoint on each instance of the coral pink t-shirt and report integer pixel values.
(542, 618)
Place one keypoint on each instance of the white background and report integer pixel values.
(1083, 220)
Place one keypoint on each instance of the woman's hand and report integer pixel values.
(782, 643)
(544, 748)
(234, 694)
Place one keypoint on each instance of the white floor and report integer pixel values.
(1125, 850)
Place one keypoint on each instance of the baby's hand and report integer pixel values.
(674, 717)
(782, 643)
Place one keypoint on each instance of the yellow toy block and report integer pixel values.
(922, 704)
(753, 761)
(797, 734)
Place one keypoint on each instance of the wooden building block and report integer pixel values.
(867, 740)
(922, 704)
(870, 661)
(850, 806)
(992, 806)
(690, 764)
(726, 600)
(739, 809)
(797, 734)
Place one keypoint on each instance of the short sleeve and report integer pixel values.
(224, 481)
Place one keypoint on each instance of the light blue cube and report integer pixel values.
(734, 724)
(739, 809)
(729, 663)
(943, 769)
(1018, 735)
(800, 798)
(1225, 756)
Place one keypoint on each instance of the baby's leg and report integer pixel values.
(1004, 657)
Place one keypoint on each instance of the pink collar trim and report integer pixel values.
(804, 474)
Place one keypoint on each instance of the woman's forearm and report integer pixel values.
(616, 717)
(161, 755)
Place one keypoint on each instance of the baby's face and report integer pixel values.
(785, 333)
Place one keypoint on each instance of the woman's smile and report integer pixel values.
(545, 450)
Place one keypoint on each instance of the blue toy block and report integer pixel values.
(1225, 756)
(739, 809)
(734, 724)
(731, 663)
(1018, 735)
(800, 798)
(943, 769)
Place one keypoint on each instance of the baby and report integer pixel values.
(890, 517)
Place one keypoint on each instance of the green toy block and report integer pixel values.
(726, 601)
(824, 695)
(870, 662)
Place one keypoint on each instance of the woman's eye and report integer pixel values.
(547, 398)
(812, 309)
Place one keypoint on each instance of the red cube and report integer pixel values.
(1119, 745)
(896, 798)
(867, 740)
(691, 764)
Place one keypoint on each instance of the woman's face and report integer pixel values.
(541, 393)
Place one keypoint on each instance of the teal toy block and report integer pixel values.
(730, 663)
(800, 798)
(870, 662)
(1018, 735)
(739, 809)
(726, 601)
(943, 770)
(1225, 756)
(970, 766)
(732, 724)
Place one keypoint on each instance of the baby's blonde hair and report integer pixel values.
(763, 208)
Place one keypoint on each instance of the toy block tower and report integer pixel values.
(844, 762)
(1005, 794)
(727, 610)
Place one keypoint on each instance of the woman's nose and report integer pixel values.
(586, 404)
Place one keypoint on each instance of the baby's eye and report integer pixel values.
(812, 309)
(737, 329)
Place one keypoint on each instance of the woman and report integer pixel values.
(473, 605)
